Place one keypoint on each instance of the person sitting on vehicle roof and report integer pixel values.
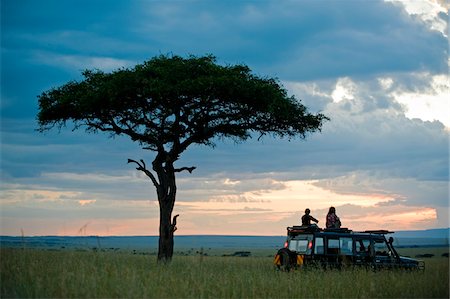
(306, 219)
(333, 220)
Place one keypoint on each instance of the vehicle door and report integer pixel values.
(383, 256)
(363, 254)
(319, 250)
(339, 250)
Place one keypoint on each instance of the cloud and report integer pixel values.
(377, 69)
(362, 40)
(295, 41)
(433, 13)
(84, 202)
(407, 191)
(429, 103)
(233, 198)
(81, 62)
(369, 130)
(300, 40)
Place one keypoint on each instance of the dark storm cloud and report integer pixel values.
(301, 40)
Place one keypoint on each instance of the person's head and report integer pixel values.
(307, 211)
(332, 210)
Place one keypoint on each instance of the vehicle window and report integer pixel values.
(318, 247)
(346, 245)
(362, 246)
(333, 246)
(340, 246)
(381, 247)
(298, 245)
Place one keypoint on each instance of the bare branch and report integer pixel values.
(143, 168)
(190, 169)
(173, 227)
(152, 148)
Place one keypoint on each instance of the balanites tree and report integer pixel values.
(170, 102)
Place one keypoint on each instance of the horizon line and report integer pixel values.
(196, 235)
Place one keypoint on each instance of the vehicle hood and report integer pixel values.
(408, 260)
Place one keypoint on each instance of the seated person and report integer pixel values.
(306, 219)
(333, 220)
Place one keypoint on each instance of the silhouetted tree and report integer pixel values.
(168, 103)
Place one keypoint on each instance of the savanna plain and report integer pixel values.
(37, 273)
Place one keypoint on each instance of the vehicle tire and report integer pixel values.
(286, 259)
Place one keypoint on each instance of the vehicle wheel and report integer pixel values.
(286, 262)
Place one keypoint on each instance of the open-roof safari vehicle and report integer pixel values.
(310, 245)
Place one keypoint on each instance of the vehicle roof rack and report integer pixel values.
(338, 230)
(378, 231)
(297, 229)
(293, 230)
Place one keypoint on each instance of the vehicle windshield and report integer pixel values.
(381, 248)
(301, 244)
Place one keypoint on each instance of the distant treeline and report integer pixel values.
(150, 242)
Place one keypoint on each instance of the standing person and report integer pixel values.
(306, 219)
(333, 220)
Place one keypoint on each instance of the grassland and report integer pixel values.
(34, 273)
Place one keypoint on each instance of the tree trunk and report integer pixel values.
(166, 190)
(166, 230)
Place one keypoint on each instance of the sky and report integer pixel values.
(377, 69)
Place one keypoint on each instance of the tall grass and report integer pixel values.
(68, 274)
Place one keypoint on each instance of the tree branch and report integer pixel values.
(173, 226)
(190, 169)
(142, 167)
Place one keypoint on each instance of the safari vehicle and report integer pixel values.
(310, 245)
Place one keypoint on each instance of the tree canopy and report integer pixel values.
(172, 102)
